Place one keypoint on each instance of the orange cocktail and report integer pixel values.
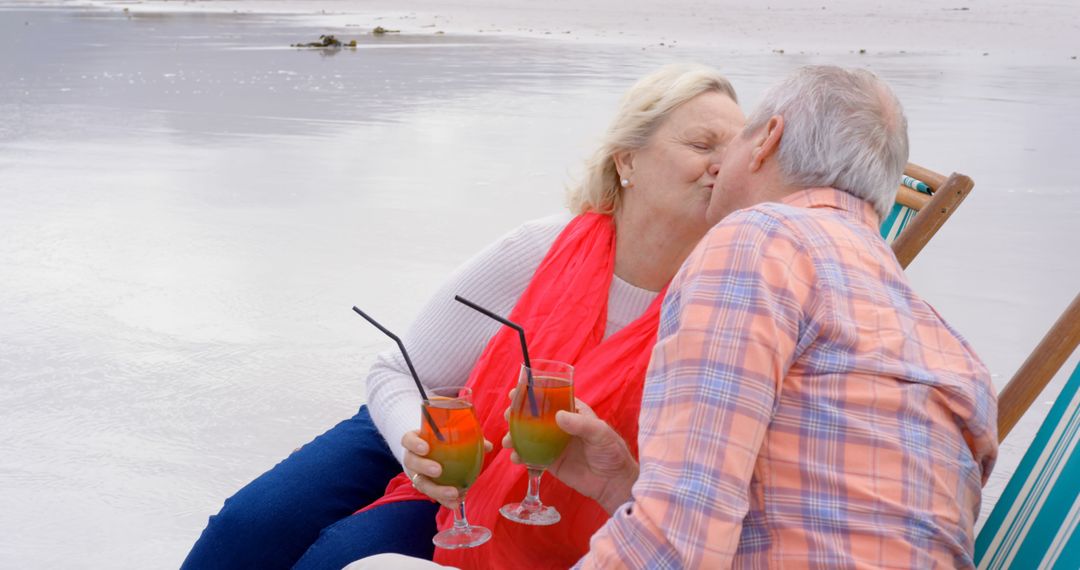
(538, 439)
(543, 389)
(461, 451)
(455, 441)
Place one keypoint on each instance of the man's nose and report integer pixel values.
(714, 167)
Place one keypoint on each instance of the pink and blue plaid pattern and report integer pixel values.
(804, 408)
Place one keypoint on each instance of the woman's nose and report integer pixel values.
(716, 159)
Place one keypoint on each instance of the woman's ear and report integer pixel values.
(767, 142)
(624, 163)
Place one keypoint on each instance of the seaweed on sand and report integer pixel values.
(326, 41)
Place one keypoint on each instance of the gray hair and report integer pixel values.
(843, 128)
(642, 110)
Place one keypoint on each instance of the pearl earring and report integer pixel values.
(625, 182)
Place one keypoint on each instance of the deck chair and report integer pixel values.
(1034, 523)
(924, 203)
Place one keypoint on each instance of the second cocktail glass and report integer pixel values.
(459, 449)
(537, 439)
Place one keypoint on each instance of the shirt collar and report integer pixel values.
(824, 197)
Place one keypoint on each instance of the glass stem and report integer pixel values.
(460, 522)
(532, 496)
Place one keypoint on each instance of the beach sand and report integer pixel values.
(924, 26)
(190, 207)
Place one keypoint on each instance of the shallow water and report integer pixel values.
(189, 207)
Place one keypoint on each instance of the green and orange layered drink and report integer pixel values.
(544, 388)
(456, 442)
(461, 451)
(538, 441)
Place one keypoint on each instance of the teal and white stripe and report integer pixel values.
(1034, 523)
(915, 184)
(896, 221)
(899, 216)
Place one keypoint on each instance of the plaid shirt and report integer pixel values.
(803, 407)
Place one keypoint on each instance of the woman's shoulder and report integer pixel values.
(535, 237)
(509, 262)
(548, 226)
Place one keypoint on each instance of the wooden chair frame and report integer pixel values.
(933, 210)
(1039, 368)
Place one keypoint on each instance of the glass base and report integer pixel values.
(538, 515)
(466, 537)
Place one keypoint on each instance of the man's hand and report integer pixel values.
(596, 463)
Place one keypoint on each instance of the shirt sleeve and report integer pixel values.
(447, 337)
(729, 332)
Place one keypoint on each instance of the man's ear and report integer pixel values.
(624, 163)
(767, 143)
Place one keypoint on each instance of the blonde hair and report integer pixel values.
(642, 110)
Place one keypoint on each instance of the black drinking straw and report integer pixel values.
(408, 361)
(524, 349)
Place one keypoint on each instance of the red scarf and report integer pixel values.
(564, 314)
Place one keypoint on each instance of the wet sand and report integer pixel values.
(190, 207)
(830, 26)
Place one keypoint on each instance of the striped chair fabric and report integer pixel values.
(900, 215)
(1034, 523)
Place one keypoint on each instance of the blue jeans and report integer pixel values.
(300, 513)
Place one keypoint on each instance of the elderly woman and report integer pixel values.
(587, 289)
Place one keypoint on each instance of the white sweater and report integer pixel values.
(447, 337)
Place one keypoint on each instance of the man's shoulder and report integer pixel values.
(810, 226)
(749, 234)
(786, 214)
(819, 234)
(768, 218)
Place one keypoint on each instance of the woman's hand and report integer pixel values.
(596, 463)
(421, 470)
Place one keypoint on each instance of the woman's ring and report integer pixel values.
(414, 476)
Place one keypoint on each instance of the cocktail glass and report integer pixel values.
(537, 439)
(460, 452)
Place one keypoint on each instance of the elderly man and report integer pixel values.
(803, 407)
